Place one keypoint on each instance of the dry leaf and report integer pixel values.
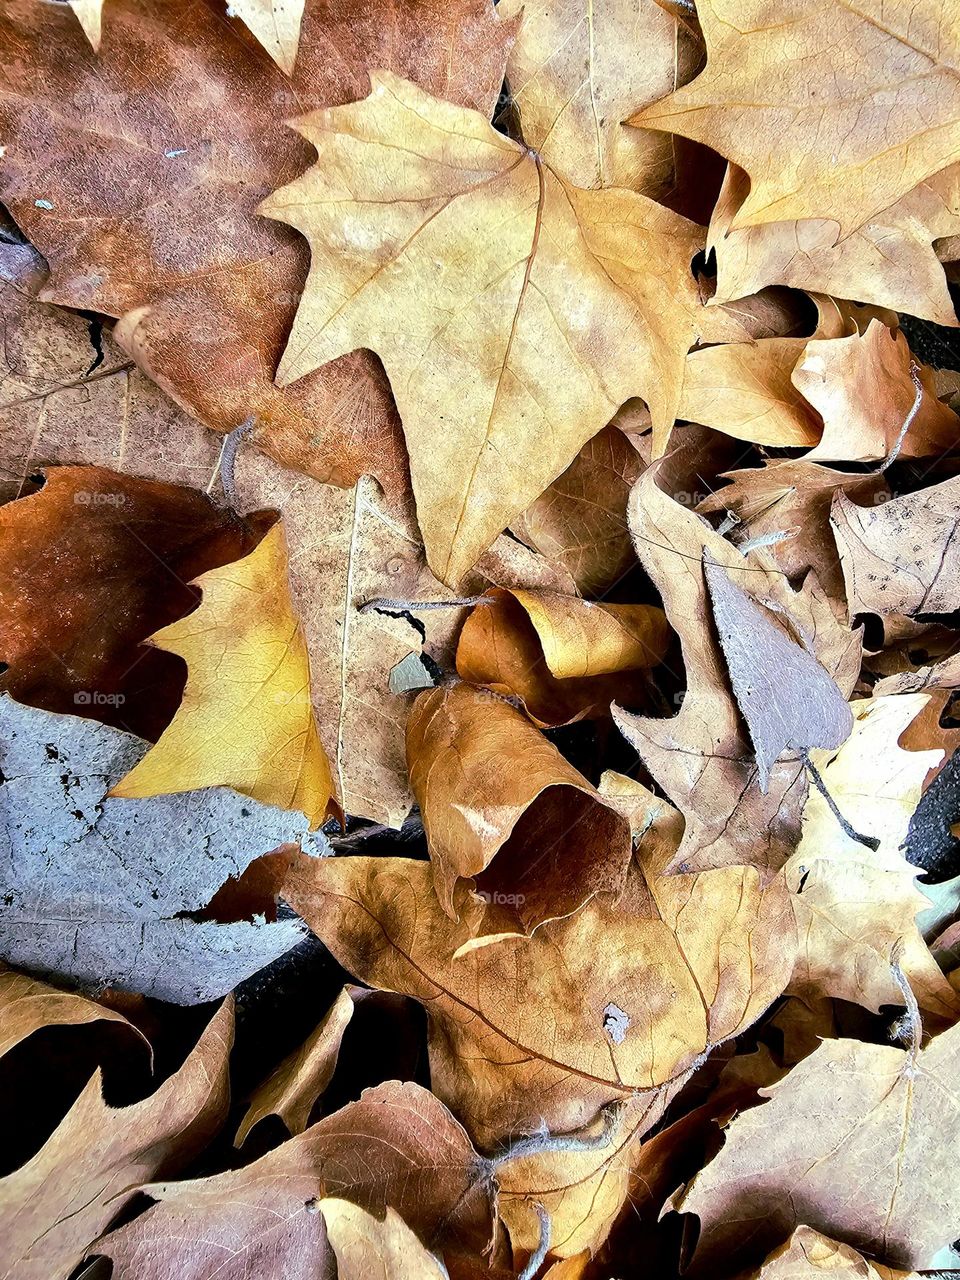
(578, 70)
(276, 24)
(617, 999)
(889, 261)
(366, 1246)
(701, 757)
(580, 519)
(777, 97)
(27, 1005)
(106, 892)
(862, 388)
(900, 558)
(53, 1207)
(808, 1254)
(166, 200)
(852, 904)
(527, 274)
(398, 1146)
(848, 1144)
(502, 806)
(246, 719)
(89, 567)
(565, 659)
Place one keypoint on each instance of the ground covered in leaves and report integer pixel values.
(480, 639)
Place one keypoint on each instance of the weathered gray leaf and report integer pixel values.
(101, 891)
(786, 697)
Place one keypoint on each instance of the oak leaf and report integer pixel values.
(246, 720)
(150, 215)
(566, 659)
(857, 1142)
(104, 891)
(776, 98)
(527, 273)
(397, 1146)
(55, 1205)
(501, 806)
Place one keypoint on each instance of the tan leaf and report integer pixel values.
(889, 261)
(398, 1147)
(852, 904)
(565, 658)
(808, 1254)
(701, 757)
(555, 276)
(857, 1141)
(28, 1005)
(276, 24)
(576, 72)
(246, 719)
(580, 519)
(861, 386)
(149, 213)
(90, 16)
(776, 98)
(53, 1207)
(366, 1246)
(615, 1000)
(500, 804)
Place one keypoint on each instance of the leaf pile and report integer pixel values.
(479, 640)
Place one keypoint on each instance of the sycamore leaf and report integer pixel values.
(702, 757)
(365, 1245)
(276, 24)
(527, 274)
(620, 998)
(246, 719)
(150, 215)
(901, 557)
(858, 1141)
(794, 497)
(777, 98)
(54, 1206)
(27, 1005)
(808, 1255)
(576, 72)
(863, 389)
(565, 658)
(853, 904)
(398, 1147)
(502, 806)
(580, 519)
(89, 567)
(889, 261)
(788, 701)
(104, 891)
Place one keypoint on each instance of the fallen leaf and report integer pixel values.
(889, 261)
(90, 16)
(364, 1245)
(565, 659)
(577, 71)
(502, 806)
(580, 519)
(276, 24)
(166, 200)
(862, 387)
(784, 496)
(848, 1144)
(776, 97)
(568, 281)
(27, 1005)
(53, 1207)
(785, 696)
(103, 891)
(246, 719)
(808, 1254)
(701, 757)
(616, 1000)
(852, 904)
(89, 567)
(398, 1147)
(899, 558)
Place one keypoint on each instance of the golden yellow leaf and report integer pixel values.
(245, 720)
(476, 273)
(835, 110)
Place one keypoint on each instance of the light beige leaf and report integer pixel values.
(276, 24)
